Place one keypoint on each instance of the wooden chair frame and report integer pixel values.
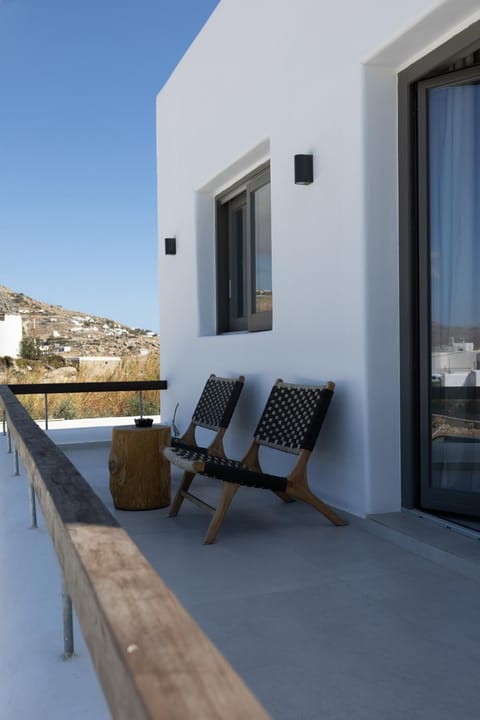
(293, 487)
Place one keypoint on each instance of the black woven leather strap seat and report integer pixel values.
(224, 469)
(176, 442)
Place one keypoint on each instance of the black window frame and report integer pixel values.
(238, 198)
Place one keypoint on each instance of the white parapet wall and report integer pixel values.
(98, 365)
(10, 335)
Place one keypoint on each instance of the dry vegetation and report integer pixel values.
(85, 405)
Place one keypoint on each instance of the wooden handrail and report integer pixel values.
(151, 658)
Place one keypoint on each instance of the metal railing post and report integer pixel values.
(33, 506)
(9, 441)
(140, 403)
(68, 648)
(46, 411)
(15, 463)
(4, 422)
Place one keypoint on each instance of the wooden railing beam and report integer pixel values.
(152, 660)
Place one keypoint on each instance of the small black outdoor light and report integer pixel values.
(303, 169)
(170, 246)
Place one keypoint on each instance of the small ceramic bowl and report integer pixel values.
(143, 422)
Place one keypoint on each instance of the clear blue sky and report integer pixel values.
(78, 81)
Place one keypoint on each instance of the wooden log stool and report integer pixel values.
(139, 474)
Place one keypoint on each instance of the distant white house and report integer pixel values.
(10, 334)
(324, 277)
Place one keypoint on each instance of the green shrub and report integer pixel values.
(29, 349)
(66, 409)
(150, 407)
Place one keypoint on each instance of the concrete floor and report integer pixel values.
(323, 623)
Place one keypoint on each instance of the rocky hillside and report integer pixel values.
(72, 333)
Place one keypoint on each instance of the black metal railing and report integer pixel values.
(47, 389)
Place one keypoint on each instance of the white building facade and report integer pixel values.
(262, 83)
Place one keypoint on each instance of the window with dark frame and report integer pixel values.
(244, 255)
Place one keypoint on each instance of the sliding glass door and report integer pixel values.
(449, 297)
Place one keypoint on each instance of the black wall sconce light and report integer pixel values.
(303, 169)
(170, 246)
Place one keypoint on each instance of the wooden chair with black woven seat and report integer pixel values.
(214, 411)
(290, 422)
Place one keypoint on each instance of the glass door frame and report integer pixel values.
(431, 497)
(443, 59)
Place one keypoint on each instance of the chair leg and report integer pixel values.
(228, 492)
(284, 496)
(304, 493)
(178, 500)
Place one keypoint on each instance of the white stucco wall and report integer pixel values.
(10, 335)
(269, 79)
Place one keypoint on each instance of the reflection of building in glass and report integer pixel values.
(456, 364)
